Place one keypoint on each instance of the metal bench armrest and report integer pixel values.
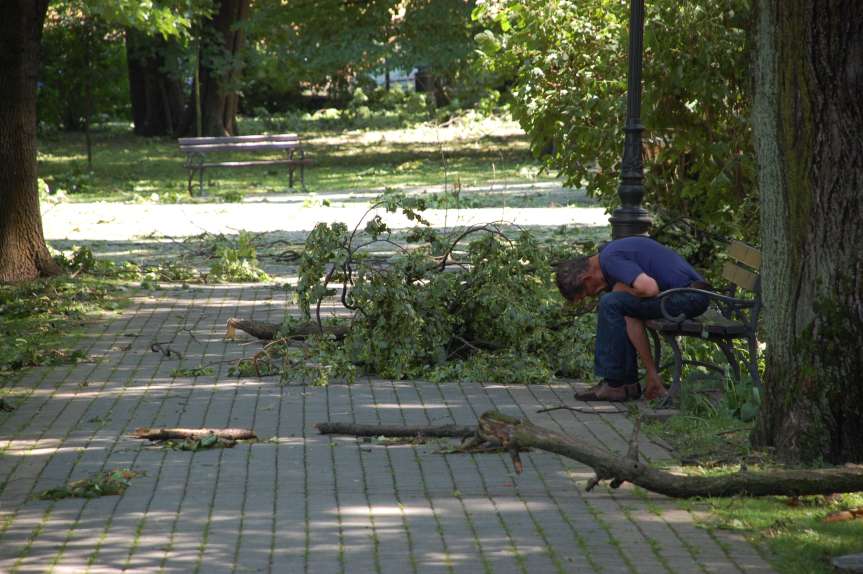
(663, 298)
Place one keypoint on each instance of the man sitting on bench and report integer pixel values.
(636, 269)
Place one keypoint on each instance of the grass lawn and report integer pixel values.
(791, 530)
(131, 168)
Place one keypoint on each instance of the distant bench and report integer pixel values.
(197, 151)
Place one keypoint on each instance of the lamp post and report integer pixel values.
(630, 218)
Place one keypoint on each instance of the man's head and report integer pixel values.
(579, 277)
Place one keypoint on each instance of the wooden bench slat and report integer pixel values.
(238, 139)
(256, 146)
(745, 254)
(258, 162)
(739, 276)
(698, 327)
(197, 150)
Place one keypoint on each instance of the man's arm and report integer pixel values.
(644, 286)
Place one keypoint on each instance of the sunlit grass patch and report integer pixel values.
(132, 168)
(793, 530)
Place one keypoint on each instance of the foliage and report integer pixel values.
(343, 45)
(36, 318)
(107, 483)
(237, 262)
(77, 49)
(568, 61)
(82, 260)
(83, 67)
(447, 306)
(199, 371)
(195, 444)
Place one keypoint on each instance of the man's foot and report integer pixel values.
(591, 391)
(605, 392)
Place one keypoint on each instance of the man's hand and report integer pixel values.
(644, 286)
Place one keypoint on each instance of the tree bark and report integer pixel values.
(807, 119)
(269, 331)
(220, 71)
(183, 433)
(156, 96)
(515, 435)
(456, 431)
(23, 253)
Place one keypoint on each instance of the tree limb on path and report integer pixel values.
(516, 434)
(456, 431)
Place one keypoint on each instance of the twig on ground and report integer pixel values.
(585, 410)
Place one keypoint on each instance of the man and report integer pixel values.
(635, 269)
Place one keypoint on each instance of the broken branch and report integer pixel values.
(396, 430)
(182, 433)
(514, 433)
(269, 331)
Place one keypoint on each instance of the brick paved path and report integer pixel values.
(298, 501)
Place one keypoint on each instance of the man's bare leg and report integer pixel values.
(638, 337)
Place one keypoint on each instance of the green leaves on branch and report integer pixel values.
(473, 304)
(569, 63)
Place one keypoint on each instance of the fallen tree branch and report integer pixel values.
(516, 434)
(585, 410)
(456, 431)
(182, 433)
(269, 331)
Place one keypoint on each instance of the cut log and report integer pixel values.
(440, 431)
(181, 433)
(269, 331)
(515, 434)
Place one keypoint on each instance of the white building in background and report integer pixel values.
(403, 78)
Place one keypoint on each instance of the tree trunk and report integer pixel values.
(23, 253)
(220, 71)
(156, 96)
(807, 119)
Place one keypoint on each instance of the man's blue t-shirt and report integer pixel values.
(622, 260)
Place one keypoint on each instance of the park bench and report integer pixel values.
(199, 151)
(733, 315)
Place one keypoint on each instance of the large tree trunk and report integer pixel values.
(156, 96)
(220, 71)
(808, 120)
(23, 253)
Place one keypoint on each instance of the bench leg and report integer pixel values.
(674, 391)
(728, 351)
(191, 179)
(752, 363)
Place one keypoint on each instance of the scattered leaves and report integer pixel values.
(107, 483)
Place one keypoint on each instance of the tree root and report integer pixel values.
(183, 433)
(515, 434)
(270, 331)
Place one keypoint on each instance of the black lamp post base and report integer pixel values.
(626, 221)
